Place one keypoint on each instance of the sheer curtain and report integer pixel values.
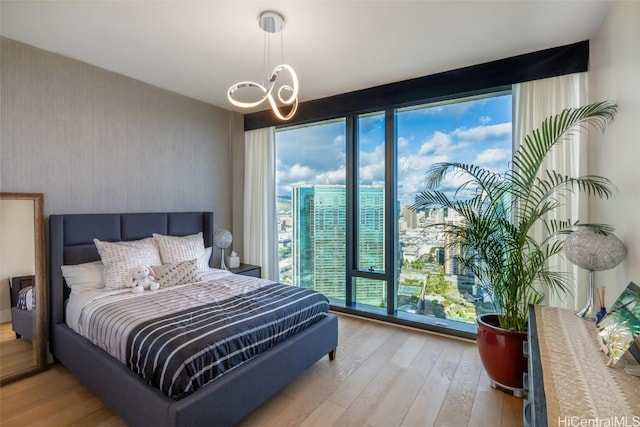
(532, 103)
(260, 234)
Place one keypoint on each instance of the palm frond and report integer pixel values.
(529, 156)
(500, 211)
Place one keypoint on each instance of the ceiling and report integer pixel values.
(200, 48)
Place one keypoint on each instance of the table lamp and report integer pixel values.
(594, 252)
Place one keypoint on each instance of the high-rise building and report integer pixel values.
(437, 215)
(410, 217)
(452, 252)
(319, 239)
(319, 230)
(371, 227)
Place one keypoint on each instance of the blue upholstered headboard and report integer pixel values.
(71, 240)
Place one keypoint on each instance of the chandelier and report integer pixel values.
(278, 92)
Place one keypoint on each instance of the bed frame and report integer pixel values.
(223, 402)
(22, 321)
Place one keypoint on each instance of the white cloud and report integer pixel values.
(372, 157)
(419, 163)
(480, 133)
(299, 172)
(336, 176)
(439, 142)
(411, 173)
(492, 156)
(372, 165)
(372, 174)
(460, 145)
(322, 160)
(409, 186)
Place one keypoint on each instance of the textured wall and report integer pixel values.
(95, 141)
(614, 73)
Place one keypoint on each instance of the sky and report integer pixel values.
(476, 131)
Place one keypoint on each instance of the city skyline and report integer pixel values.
(312, 200)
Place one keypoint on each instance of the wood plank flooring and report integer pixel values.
(382, 376)
(16, 354)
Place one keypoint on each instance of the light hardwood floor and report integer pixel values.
(382, 376)
(16, 354)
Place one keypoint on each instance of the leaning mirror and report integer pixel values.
(23, 286)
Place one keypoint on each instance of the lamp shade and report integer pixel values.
(222, 238)
(594, 251)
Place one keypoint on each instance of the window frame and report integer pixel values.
(479, 80)
(390, 274)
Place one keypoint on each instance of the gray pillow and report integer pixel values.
(179, 273)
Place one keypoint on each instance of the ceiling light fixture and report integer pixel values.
(286, 92)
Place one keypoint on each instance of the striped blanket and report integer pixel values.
(179, 339)
(26, 299)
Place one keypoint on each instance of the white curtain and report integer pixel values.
(260, 233)
(532, 103)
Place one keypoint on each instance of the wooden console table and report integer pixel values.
(568, 380)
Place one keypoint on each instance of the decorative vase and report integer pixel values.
(501, 352)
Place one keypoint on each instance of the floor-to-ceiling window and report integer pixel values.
(344, 188)
(473, 131)
(369, 210)
(311, 203)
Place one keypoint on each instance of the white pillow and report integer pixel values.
(84, 277)
(176, 249)
(31, 299)
(121, 258)
(204, 259)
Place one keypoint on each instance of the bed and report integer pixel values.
(222, 402)
(22, 306)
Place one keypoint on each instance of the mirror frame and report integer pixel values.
(40, 341)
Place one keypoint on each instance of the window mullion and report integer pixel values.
(351, 196)
(390, 211)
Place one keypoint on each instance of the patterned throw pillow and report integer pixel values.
(176, 274)
(176, 249)
(120, 258)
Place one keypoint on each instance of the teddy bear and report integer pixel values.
(143, 279)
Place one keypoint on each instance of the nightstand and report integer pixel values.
(247, 270)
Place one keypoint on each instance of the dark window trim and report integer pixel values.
(467, 81)
(351, 205)
(391, 213)
(425, 323)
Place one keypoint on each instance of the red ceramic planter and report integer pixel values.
(501, 352)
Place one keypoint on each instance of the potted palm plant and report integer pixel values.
(495, 241)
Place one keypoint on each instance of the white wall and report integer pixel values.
(614, 74)
(17, 247)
